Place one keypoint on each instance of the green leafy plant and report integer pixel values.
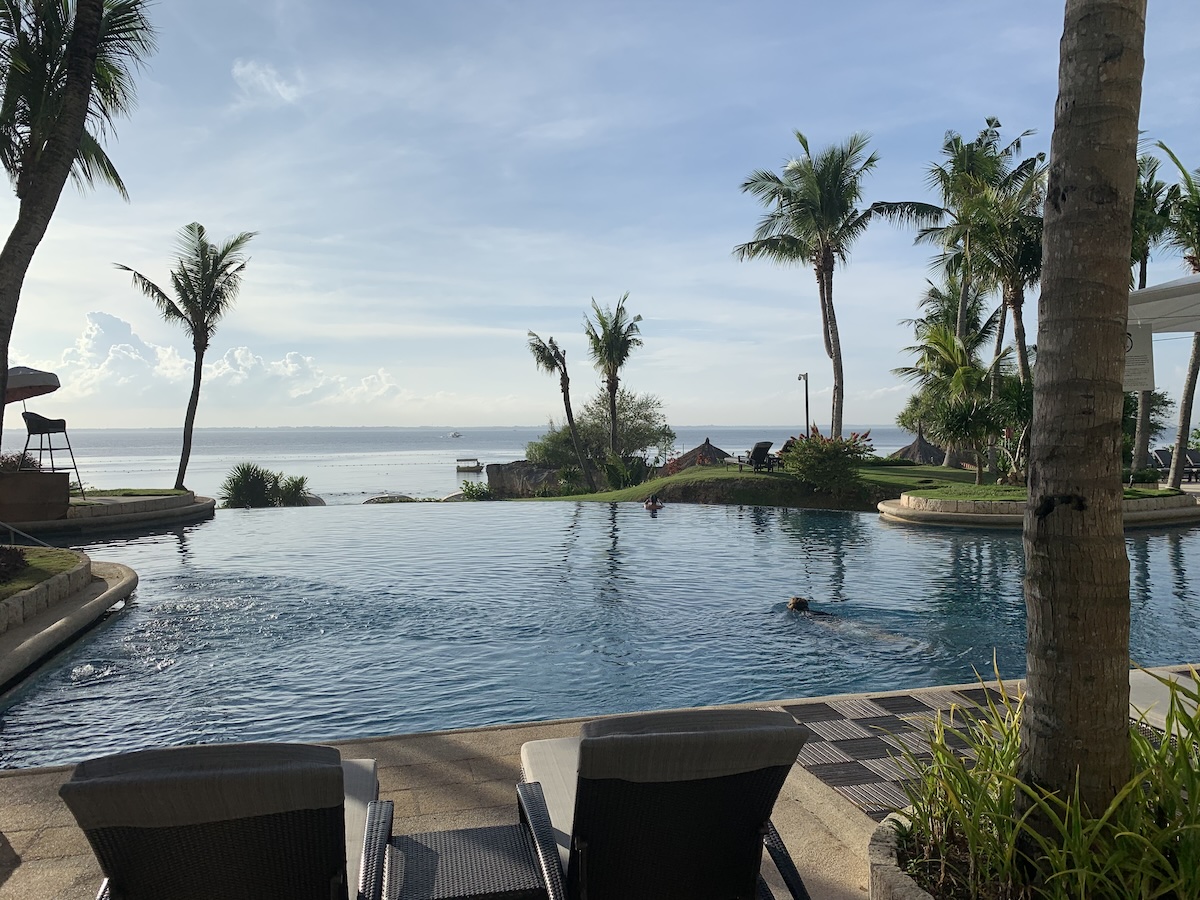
(251, 486)
(829, 464)
(974, 829)
(11, 462)
(12, 561)
(476, 490)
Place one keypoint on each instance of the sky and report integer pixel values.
(429, 181)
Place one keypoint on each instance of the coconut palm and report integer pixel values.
(553, 359)
(612, 336)
(1183, 233)
(205, 280)
(65, 75)
(1152, 200)
(813, 217)
(964, 181)
(1075, 731)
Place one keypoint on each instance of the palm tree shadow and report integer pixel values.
(9, 860)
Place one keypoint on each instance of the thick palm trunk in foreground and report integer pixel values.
(1075, 730)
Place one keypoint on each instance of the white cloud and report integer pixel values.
(259, 84)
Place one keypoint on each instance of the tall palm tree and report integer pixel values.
(1075, 731)
(971, 170)
(1152, 200)
(65, 74)
(205, 280)
(1184, 235)
(612, 336)
(813, 217)
(553, 359)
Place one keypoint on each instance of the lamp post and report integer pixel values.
(803, 376)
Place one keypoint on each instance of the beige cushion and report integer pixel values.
(361, 786)
(192, 785)
(553, 764)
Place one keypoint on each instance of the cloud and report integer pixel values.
(108, 357)
(259, 84)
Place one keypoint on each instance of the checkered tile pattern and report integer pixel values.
(855, 745)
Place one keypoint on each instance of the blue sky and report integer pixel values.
(431, 180)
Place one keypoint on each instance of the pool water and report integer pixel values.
(351, 621)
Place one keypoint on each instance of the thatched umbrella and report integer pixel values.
(704, 455)
(921, 451)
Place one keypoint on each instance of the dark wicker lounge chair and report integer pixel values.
(759, 458)
(233, 821)
(673, 804)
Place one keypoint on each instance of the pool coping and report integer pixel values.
(1178, 509)
(119, 513)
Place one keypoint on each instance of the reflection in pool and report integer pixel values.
(341, 622)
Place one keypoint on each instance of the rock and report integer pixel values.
(391, 498)
(521, 479)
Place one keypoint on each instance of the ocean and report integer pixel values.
(350, 465)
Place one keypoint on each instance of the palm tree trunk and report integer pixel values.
(565, 383)
(42, 185)
(1075, 731)
(189, 420)
(1018, 317)
(833, 342)
(960, 325)
(613, 384)
(994, 387)
(1141, 433)
(1186, 400)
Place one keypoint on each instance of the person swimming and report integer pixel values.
(653, 504)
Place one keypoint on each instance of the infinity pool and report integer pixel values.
(341, 622)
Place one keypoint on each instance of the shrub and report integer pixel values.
(476, 490)
(1140, 476)
(829, 464)
(252, 487)
(12, 561)
(968, 833)
(10, 462)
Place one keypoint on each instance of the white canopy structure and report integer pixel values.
(1170, 307)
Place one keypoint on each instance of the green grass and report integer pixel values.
(44, 562)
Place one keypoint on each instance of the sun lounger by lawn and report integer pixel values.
(673, 804)
(758, 458)
(233, 821)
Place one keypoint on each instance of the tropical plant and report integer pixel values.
(251, 486)
(1183, 233)
(971, 828)
(553, 359)
(205, 280)
(1152, 201)
(11, 462)
(1075, 735)
(612, 336)
(476, 490)
(829, 464)
(813, 217)
(12, 562)
(66, 74)
(1158, 408)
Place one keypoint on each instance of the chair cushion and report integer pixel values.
(204, 783)
(361, 786)
(554, 764)
(687, 745)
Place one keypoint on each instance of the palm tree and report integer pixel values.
(65, 75)
(1075, 731)
(1152, 201)
(1184, 235)
(611, 338)
(813, 217)
(551, 358)
(971, 170)
(205, 280)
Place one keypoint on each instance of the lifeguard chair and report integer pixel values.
(46, 431)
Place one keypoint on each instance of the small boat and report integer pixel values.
(469, 465)
(455, 434)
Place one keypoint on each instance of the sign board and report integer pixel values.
(1139, 358)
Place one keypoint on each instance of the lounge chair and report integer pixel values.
(233, 821)
(758, 458)
(1161, 460)
(1191, 471)
(672, 804)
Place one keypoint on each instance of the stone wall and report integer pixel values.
(24, 605)
(521, 479)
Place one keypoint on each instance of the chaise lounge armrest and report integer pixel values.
(534, 815)
(375, 844)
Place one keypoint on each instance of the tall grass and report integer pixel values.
(969, 831)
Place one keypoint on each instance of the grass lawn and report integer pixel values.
(43, 563)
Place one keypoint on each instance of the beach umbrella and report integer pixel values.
(24, 382)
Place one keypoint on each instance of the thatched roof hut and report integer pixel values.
(922, 452)
(704, 455)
